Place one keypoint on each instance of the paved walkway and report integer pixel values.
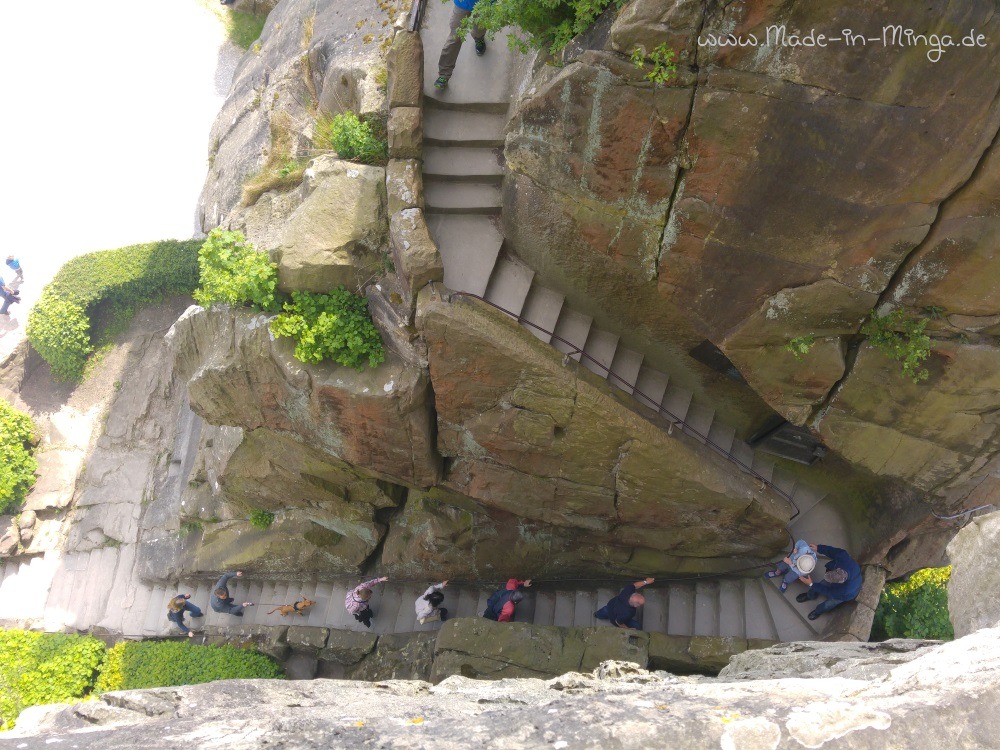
(463, 171)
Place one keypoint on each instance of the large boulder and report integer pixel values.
(975, 576)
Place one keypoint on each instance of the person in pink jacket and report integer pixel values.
(357, 599)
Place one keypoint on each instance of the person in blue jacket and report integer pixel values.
(222, 602)
(449, 53)
(841, 583)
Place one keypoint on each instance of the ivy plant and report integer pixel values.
(902, 338)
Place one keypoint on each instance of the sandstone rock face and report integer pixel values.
(974, 576)
(406, 133)
(775, 192)
(337, 234)
(939, 694)
(405, 64)
(324, 53)
(417, 259)
(404, 183)
(528, 436)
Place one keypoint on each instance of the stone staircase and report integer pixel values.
(96, 589)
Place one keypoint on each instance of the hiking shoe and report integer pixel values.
(802, 598)
(813, 615)
(441, 83)
(247, 604)
(480, 47)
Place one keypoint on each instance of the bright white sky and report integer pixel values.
(107, 107)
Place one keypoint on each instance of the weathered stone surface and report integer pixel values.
(942, 693)
(975, 576)
(337, 235)
(532, 437)
(347, 647)
(405, 184)
(405, 65)
(481, 648)
(406, 133)
(320, 52)
(401, 656)
(9, 536)
(417, 259)
(379, 419)
(301, 637)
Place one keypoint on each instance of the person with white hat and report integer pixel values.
(799, 564)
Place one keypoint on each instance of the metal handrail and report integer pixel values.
(674, 419)
(965, 515)
(416, 14)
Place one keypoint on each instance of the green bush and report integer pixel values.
(915, 608)
(232, 272)
(59, 325)
(333, 326)
(662, 62)
(352, 138)
(910, 346)
(132, 665)
(800, 345)
(261, 519)
(17, 465)
(547, 24)
(40, 668)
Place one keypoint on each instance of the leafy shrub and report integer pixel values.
(40, 668)
(232, 272)
(17, 465)
(547, 24)
(800, 345)
(333, 326)
(133, 665)
(352, 138)
(915, 608)
(662, 62)
(911, 346)
(261, 519)
(59, 325)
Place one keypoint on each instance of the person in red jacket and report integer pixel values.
(502, 603)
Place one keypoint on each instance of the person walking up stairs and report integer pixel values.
(449, 53)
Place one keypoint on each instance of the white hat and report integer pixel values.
(806, 563)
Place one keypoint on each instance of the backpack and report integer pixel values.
(495, 604)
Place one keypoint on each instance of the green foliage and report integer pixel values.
(935, 312)
(261, 519)
(232, 272)
(17, 465)
(59, 325)
(915, 608)
(546, 24)
(662, 62)
(800, 345)
(352, 138)
(191, 526)
(40, 668)
(133, 665)
(243, 29)
(910, 346)
(333, 326)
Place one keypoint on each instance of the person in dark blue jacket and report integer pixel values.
(621, 610)
(841, 583)
(221, 601)
(449, 53)
(176, 608)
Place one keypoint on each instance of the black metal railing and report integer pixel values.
(416, 15)
(648, 402)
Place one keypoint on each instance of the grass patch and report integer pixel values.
(242, 29)
(283, 168)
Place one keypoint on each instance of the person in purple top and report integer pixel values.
(356, 601)
(841, 582)
(449, 53)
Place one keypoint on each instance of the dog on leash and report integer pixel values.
(290, 609)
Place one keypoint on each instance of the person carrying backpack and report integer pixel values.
(176, 608)
(502, 603)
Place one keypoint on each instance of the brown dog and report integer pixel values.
(300, 606)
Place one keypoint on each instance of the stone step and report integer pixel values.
(586, 605)
(571, 332)
(134, 617)
(680, 609)
(461, 197)
(468, 599)
(545, 608)
(699, 421)
(706, 608)
(676, 401)
(822, 524)
(654, 611)
(469, 247)
(251, 594)
(406, 615)
(732, 623)
(802, 609)
(484, 596)
(759, 623)
(625, 369)
(93, 597)
(784, 482)
(743, 452)
(542, 307)
(509, 285)
(565, 612)
(387, 606)
(156, 611)
(57, 615)
(600, 349)
(722, 435)
(447, 127)
(650, 386)
(477, 165)
(806, 498)
(789, 625)
(316, 617)
(763, 465)
(526, 609)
